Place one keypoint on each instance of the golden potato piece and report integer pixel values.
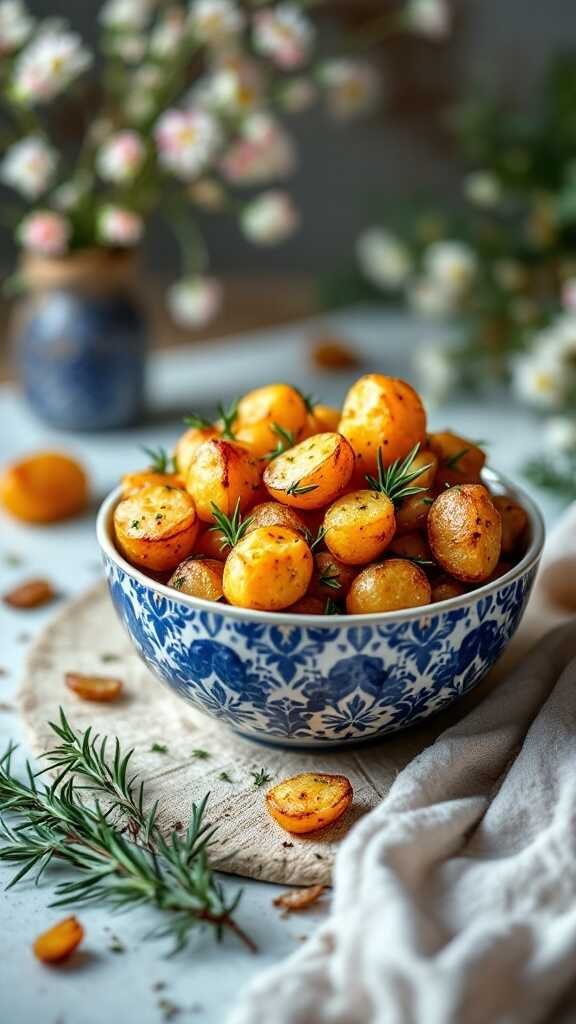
(412, 512)
(459, 461)
(261, 410)
(222, 473)
(382, 412)
(272, 513)
(514, 522)
(412, 545)
(31, 594)
(326, 418)
(188, 444)
(465, 532)
(199, 577)
(308, 605)
(60, 941)
(444, 587)
(312, 473)
(388, 587)
(212, 544)
(298, 899)
(268, 569)
(309, 802)
(156, 528)
(428, 460)
(134, 482)
(97, 689)
(359, 526)
(44, 488)
(331, 578)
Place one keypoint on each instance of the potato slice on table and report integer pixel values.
(261, 411)
(97, 689)
(514, 522)
(44, 488)
(268, 569)
(359, 526)
(156, 528)
(382, 412)
(188, 444)
(199, 577)
(312, 473)
(60, 941)
(309, 802)
(465, 532)
(272, 513)
(390, 586)
(459, 461)
(222, 473)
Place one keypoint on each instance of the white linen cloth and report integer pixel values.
(455, 899)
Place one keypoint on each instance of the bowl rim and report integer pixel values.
(508, 487)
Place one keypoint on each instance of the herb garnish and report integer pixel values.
(197, 421)
(261, 777)
(231, 527)
(224, 777)
(296, 488)
(160, 461)
(159, 748)
(395, 480)
(286, 439)
(200, 755)
(331, 608)
(228, 415)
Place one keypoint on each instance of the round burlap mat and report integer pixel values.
(87, 637)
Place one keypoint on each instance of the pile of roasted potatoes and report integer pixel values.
(284, 504)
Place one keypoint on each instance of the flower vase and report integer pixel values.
(80, 340)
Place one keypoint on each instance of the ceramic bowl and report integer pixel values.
(320, 681)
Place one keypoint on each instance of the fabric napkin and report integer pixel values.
(455, 899)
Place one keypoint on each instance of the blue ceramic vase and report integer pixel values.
(80, 341)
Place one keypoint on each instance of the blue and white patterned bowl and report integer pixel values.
(320, 681)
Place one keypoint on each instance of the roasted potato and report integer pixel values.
(44, 488)
(465, 532)
(412, 512)
(262, 410)
(212, 544)
(95, 689)
(269, 569)
(459, 461)
(331, 578)
(60, 941)
(272, 513)
(325, 418)
(428, 460)
(199, 577)
(388, 587)
(514, 522)
(134, 482)
(312, 473)
(444, 587)
(382, 412)
(156, 528)
(309, 802)
(222, 473)
(412, 545)
(359, 526)
(308, 605)
(188, 444)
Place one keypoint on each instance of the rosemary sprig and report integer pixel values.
(296, 488)
(395, 480)
(453, 461)
(331, 607)
(331, 580)
(160, 461)
(261, 777)
(286, 440)
(228, 415)
(315, 542)
(194, 420)
(41, 824)
(231, 527)
(309, 400)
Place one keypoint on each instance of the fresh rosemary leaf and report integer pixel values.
(159, 748)
(261, 777)
(331, 580)
(197, 421)
(395, 480)
(160, 461)
(331, 608)
(224, 777)
(286, 440)
(453, 461)
(231, 527)
(228, 416)
(297, 488)
(315, 542)
(200, 755)
(309, 400)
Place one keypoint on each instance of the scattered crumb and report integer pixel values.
(332, 353)
(158, 986)
(22, 638)
(319, 856)
(109, 657)
(158, 748)
(12, 559)
(3, 672)
(178, 826)
(169, 1009)
(298, 899)
(6, 707)
(224, 777)
(287, 845)
(30, 594)
(116, 945)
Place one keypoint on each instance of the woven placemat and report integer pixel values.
(87, 637)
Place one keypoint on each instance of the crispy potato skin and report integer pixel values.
(260, 409)
(323, 463)
(309, 802)
(412, 512)
(156, 527)
(411, 545)
(465, 532)
(382, 412)
(308, 605)
(468, 459)
(44, 488)
(134, 482)
(359, 526)
(326, 567)
(514, 522)
(388, 587)
(326, 418)
(97, 689)
(222, 473)
(444, 587)
(188, 444)
(272, 513)
(212, 544)
(199, 577)
(268, 569)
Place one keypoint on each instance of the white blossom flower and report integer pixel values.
(15, 25)
(48, 65)
(194, 302)
(235, 86)
(68, 194)
(450, 263)
(284, 34)
(121, 157)
(167, 35)
(187, 141)
(432, 299)
(44, 232)
(270, 218)
(560, 434)
(215, 20)
(352, 87)
(29, 166)
(149, 77)
(129, 47)
(125, 14)
(263, 152)
(483, 189)
(569, 295)
(436, 372)
(298, 94)
(540, 380)
(431, 18)
(119, 226)
(384, 259)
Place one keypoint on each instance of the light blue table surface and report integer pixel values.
(98, 985)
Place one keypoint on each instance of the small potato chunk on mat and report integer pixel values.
(309, 802)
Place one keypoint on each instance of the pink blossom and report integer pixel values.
(270, 218)
(119, 226)
(44, 232)
(187, 141)
(121, 157)
(569, 295)
(193, 302)
(284, 34)
(263, 152)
